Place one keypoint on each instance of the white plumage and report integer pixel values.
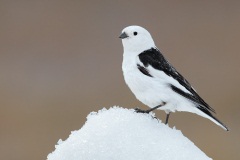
(151, 82)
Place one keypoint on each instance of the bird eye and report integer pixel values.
(135, 33)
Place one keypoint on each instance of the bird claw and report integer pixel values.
(138, 110)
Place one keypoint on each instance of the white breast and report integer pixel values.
(143, 86)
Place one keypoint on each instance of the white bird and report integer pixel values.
(154, 81)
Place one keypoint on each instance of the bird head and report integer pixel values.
(136, 39)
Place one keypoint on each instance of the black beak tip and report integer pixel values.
(123, 35)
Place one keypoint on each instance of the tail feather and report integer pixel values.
(209, 116)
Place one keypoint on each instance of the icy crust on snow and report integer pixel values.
(122, 134)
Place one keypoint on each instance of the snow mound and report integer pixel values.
(122, 134)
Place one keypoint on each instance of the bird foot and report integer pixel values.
(138, 110)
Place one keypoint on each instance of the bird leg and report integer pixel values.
(149, 110)
(168, 114)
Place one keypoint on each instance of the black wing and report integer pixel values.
(155, 58)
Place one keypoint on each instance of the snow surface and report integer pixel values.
(122, 134)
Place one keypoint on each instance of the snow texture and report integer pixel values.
(122, 134)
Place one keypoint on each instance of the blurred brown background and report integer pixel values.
(60, 60)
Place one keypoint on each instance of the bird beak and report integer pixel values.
(123, 35)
